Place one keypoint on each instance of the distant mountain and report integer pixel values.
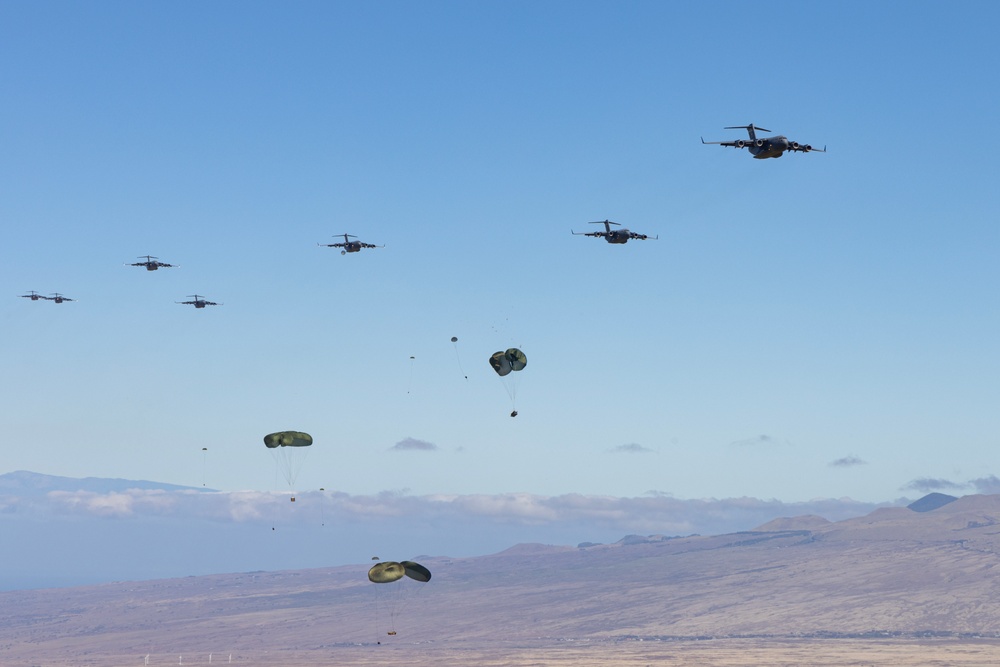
(890, 574)
(808, 522)
(931, 501)
(27, 484)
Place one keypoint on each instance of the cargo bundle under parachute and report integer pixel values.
(504, 363)
(391, 600)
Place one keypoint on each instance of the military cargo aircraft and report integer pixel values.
(348, 245)
(614, 235)
(764, 147)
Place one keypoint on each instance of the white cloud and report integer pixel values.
(928, 484)
(651, 513)
(762, 440)
(990, 484)
(847, 462)
(329, 527)
(412, 444)
(631, 448)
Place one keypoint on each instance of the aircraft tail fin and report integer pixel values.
(749, 128)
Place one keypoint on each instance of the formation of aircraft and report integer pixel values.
(348, 245)
(759, 147)
(56, 296)
(764, 147)
(152, 263)
(199, 301)
(614, 235)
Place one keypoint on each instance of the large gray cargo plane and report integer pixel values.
(614, 235)
(764, 147)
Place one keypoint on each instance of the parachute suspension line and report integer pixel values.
(506, 363)
(204, 465)
(274, 505)
(288, 451)
(458, 358)
(393, 586)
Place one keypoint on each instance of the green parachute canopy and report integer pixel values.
(511, 360)
(386, 572)
(416, 571)
(287, 439)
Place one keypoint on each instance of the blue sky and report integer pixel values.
(793, 314)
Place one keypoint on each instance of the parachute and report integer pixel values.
(504, 363)
(416, 571)
(287, 439)
(511, 360)
(287, 449)
(386, 573)
(393, 598)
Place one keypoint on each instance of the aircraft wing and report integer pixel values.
(331, 245)
(804, 148)
(642, 237)
(596, 234)
(370, 245)
(727, 144)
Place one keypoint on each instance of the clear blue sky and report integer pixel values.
(793, 313)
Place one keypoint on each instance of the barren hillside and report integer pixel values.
(894, 573)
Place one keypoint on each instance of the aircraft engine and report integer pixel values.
(794, 145)
(808, 147)
(759, 142)
(740, 143)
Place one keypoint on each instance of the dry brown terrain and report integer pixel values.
(896, 587)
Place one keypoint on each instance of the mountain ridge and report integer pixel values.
(894, 573)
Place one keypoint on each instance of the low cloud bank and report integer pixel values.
(91, 536)
(652, 513)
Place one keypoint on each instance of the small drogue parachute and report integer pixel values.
(458, 357)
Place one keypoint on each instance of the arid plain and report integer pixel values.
(896, 587)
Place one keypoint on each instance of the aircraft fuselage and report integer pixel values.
(617, 236)
(769, 147)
